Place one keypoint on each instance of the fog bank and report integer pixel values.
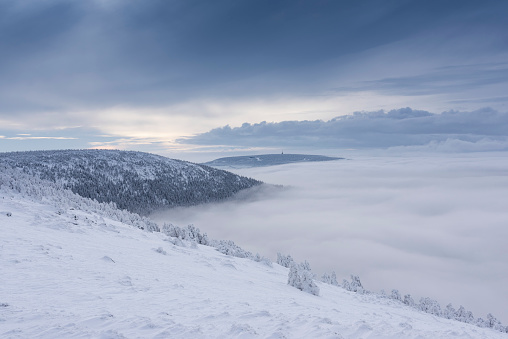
(433, 225)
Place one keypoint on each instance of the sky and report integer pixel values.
(430, 225)
(160, 76)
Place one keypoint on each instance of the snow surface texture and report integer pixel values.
(76, 272)
(136, 181)
(266, 160)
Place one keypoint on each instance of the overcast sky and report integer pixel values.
(141, 74)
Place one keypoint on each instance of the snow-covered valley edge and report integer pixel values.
(74, 268)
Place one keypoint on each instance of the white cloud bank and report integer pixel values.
(431, 226)
(479, 130)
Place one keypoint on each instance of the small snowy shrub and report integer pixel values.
(408, 300)
(395, 295)
(464, 316)
(175, 241)
(300, 277)
(449, 312)
(354, 286)
(480, 322)
(228, 247)
(160, 250)
(330, 279)
(190, 233)
(494, 323)
(262, 260)
(284, 260)
(431, 306)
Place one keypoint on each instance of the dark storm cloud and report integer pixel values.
(402, 127)
(60, 55)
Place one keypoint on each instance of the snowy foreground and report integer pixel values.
(70, 273)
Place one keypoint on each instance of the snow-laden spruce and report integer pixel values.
(301, 277)
(135, 181)
(426, 304)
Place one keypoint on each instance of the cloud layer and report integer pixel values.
(402, 127)
(427, 225)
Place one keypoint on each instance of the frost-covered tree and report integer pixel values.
(354, 286)
(284, 260)
(395, 295)
(492, 322)
(464, 316)
(301, 278)
(429, 305)
(330, 279)
(480, 322)
(189, 233)
(305, 264)
(228, 247)
(408, 300)
(449, 312)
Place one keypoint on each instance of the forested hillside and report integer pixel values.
(135, 181)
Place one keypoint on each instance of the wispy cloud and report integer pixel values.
(37, 138)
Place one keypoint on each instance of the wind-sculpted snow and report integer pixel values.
(138, 182)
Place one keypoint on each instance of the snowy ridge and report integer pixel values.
(266, 160)
(72, 269)
(136, 181)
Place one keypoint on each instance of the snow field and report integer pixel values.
(79, 275)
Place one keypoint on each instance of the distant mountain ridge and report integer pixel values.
(266, 160)
(136, 181)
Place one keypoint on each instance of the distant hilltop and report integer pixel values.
(266, 160)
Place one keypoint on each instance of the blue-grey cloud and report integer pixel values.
(455, 79)
(402, 127)
(60, 55)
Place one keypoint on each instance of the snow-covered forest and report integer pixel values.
(135, 181)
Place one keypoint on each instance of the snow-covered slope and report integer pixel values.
(266, 160)
(68, 270)
(136, 181)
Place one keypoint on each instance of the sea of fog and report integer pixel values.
(428, 225)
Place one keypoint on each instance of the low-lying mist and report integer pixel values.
(434, 225)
